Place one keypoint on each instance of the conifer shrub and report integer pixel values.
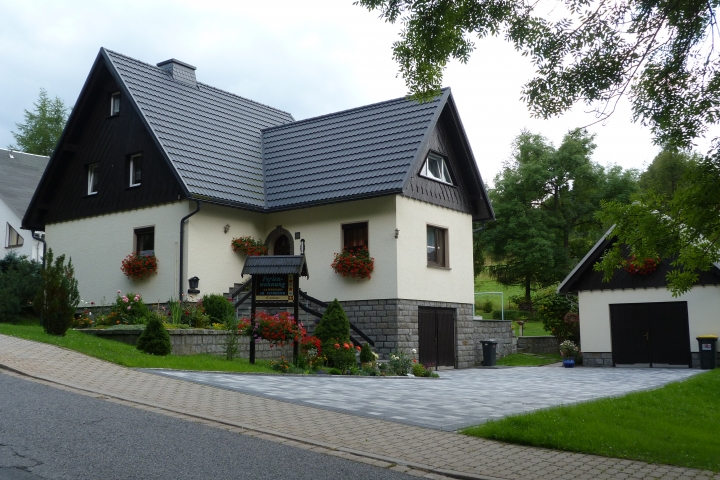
(217, 307)
(334, 328)
(366, 354)
(58, 296)
(19, 282)
(155, 339)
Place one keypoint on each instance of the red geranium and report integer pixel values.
(138, 267)
(356, 263)
(249, 246)
(635, 267)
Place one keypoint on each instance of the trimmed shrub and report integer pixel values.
(217, 307)
(58, 296)
(155, 339)
(19, 283)
(334, 328)
(366, 354)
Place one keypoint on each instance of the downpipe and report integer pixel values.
(182, 247)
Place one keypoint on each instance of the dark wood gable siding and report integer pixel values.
(455, 196)
(96, 137)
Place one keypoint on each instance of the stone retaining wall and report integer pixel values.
(539, 344)
(195, 341)
(499, 330)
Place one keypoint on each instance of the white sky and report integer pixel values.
(306, 57)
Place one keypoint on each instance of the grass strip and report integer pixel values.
(128, 356)
(528, 360)
(676, 425)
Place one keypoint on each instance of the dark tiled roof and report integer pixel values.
(275, 265)
(359, 152)
(20, 175)
(211, 137)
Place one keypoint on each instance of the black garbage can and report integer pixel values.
(707, 345)
(489, 352)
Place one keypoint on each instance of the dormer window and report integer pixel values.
(92, 179)
(115, 103)
(436, 168)
(135, 170)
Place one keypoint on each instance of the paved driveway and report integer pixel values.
(459, 398)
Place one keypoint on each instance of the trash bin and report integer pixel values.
(489, 352)
(707, 346)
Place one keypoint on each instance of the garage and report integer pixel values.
(653, 334)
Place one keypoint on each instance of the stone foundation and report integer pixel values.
(597, 359)
(696, 360)
(498, 330)
(196, 341)
(539, 344)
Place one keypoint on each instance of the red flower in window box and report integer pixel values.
(138, 267)
(354, 263)
(635, 267)
(249, 246)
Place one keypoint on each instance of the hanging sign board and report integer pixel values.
(274, 288)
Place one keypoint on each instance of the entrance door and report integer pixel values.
(652, 334)
(436, 332)
(282, 246)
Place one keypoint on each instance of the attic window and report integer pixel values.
(92, 179)
(135, 166)
(13, 238)
(435, 168)
(115, 103)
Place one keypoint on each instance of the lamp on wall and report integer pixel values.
(302, 247)
(397, 232)
(226, 228)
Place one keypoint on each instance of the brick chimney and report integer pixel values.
(179, 71)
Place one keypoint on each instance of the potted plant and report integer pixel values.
(354, 263)
(569, 351)
(249, 246)
(138, 266)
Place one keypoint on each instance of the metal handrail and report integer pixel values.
(240, 289)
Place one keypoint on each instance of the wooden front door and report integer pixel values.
(652, 334)
(436, 332)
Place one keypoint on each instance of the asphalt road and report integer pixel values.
(47, 433)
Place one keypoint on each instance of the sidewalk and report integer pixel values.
(386, 443)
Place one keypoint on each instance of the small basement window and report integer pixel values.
(435, 168)
(145, 241)
(436, 247)
(13, 238)
(92, 179)
(355, 236)
(115, 103)
(135, 170)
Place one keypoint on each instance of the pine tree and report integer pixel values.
(155, 339)
(42, 128)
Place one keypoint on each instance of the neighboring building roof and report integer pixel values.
(275, 265)
(584, 277)
(358, 152)
(211, 137)
(20, 176)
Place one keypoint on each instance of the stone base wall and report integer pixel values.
(196, 341)
(597, 359)
(499, 330)
(696, 359)
(540, 344)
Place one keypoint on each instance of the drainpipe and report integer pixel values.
(40, 239)
(182, 243)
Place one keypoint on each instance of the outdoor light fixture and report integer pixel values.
(193, 282)
(302, 247)
(226, 228)
(397, 232)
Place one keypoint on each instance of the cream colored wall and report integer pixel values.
(210, 256)
(703, 313)
(97, 246)
(418, 281)
(321, 228)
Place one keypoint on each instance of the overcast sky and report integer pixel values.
(307, 57)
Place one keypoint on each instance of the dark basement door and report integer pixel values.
(650, 334)
(436, 332)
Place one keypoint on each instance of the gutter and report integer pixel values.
(182, 244)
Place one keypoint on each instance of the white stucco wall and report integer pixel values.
(31, 248)
(418, 281)
(98, 245)
(703, 312)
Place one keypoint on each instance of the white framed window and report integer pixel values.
(437, 240)
(145, 241)
(92, 179)
(115, 103)
(435, 168)
(12, 237)
(135, 169)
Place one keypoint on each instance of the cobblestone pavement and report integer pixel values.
(458, 399)
(415, 450)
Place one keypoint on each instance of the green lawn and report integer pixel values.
(483, 283)
(676, 425)
(127, 355)
(529, 359)
(530, 329)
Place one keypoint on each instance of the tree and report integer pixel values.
(42, 128)
(666, 171)
(19, 282)
(58, 296)
(661, 54)
(545, 202)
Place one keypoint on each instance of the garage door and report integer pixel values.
(650, 334)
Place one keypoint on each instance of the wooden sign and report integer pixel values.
(274, 288)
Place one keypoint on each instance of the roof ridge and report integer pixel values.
(202, 83)
(348, 110)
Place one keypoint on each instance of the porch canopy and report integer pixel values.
(276, 265)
